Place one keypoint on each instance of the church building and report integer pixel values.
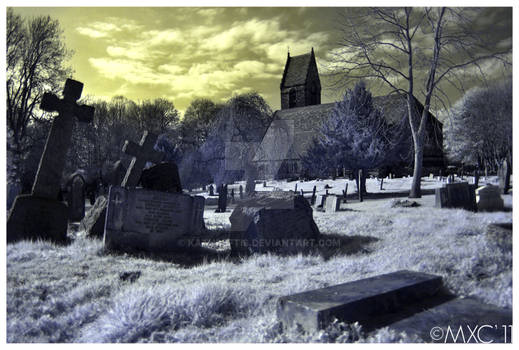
(301, 115)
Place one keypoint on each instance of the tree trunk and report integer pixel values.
(416, 191)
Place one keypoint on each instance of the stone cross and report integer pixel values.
(142, 153)
(40, 215)
(48, 178)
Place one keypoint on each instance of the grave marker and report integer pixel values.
(456, 195)
(141, 153)
(312, 200)
(145, 220)
(488, 198)
(76, 199)
(504, 173)
(40, 214)
(211, 190)
(332, 204)
(222, 199)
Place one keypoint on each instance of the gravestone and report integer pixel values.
(456, 195)
(357, 301)
(488, 198)
(312, 200)
(232, 196)
(332, 204)
(76, 199)
(278, 222)
(476, 178)
(404, 301)
(504, 173)
(95, 219)
(359, 186)
(241, 192)
(211, 190)
(151, 221)
(40, 214)
(141, 154)
(162, 177)
(321, 200)
(222, 199)
(93, 224)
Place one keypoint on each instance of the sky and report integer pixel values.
(186, 53)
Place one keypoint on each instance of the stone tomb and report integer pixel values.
(489, 198)
(333, 204)
(409, 301)
(456, 195)
(151, 221)
(278, 222)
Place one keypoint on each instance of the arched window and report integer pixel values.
(292, 98)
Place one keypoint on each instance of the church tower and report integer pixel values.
(300, 85)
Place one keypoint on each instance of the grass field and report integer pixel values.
(79, 293)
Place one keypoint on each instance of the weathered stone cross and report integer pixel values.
(142, 153)
(40, 214)
(48, 177)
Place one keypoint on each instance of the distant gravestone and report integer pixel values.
(222, 199)
(456, 195)
(162, 177)
(211, 190)
(312, 200)
(232, 196)
(332, 204)
(321, 200)
(241, 192)
(76, 199)
(40, 214)
(151, 221)
(279, 222)
(504, 173)
(488, 198)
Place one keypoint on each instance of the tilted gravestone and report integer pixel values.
(151, 221)
(456, 195)
(405, 301)
(488, 198)
(332, 204)
(278, 222)
(141, 153)
(162, 177)
(40, 214)
(76, 198)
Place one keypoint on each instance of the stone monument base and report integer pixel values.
(34, 218)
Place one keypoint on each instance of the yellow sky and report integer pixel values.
(184, 53)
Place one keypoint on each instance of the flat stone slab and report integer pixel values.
(355, 301)
(461, 320)
(152, 221)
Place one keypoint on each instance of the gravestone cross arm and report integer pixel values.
(52, 162)
(71, 93)
(142, 153)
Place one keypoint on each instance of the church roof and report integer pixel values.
(296, 70)
(306, 123)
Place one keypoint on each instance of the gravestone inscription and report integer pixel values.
(139, 219)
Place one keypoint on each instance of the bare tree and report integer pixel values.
(414, 51)
(35, 64)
